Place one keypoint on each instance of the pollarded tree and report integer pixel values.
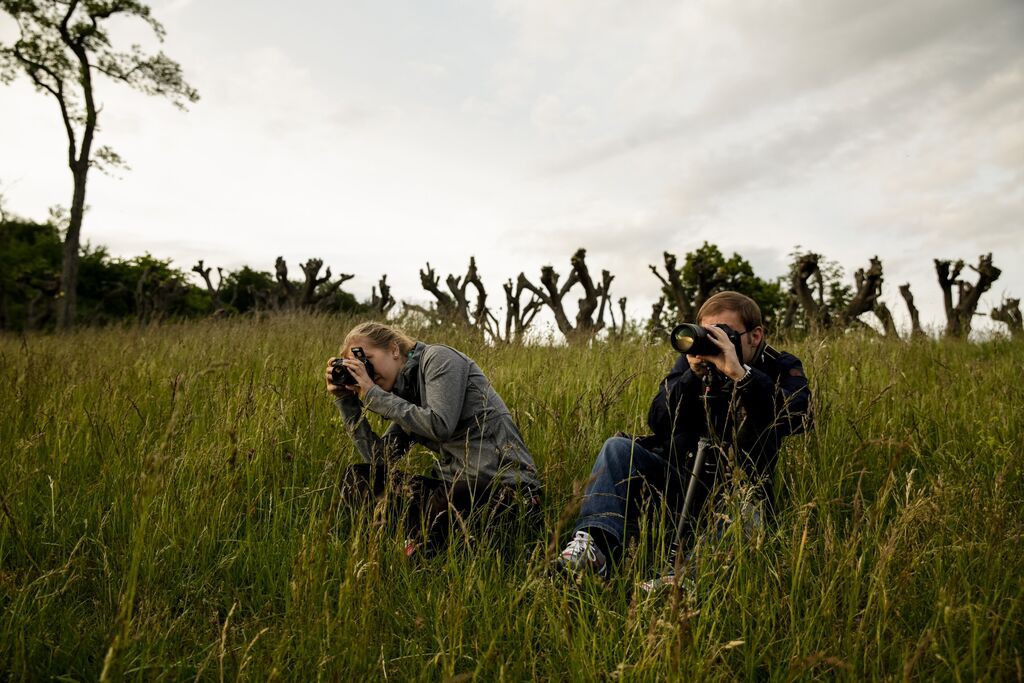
(63, 46)
(706, 271)
(595, 297)
(817, 295)
(960, 315)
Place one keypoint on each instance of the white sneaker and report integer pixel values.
(668, 580)
(582, 556)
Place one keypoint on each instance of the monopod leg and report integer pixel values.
(691, 494)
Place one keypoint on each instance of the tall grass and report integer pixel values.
(170, 510)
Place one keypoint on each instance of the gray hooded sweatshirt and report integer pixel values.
(442, 400)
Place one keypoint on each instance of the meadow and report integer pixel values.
(170, 511)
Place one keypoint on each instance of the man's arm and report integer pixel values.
(784, 406)
(445, 375)
(677, 404)
(373, 448)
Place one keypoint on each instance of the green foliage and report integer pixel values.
(342, 302)
(54, 35)
(30, 256)
(144, 287)
(110, 290)
(170, 509)
(736, 274)
(247, 289)
(63, 48)
(706, 271)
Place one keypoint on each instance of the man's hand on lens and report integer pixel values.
(726, 363)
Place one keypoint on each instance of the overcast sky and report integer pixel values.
(379, 135)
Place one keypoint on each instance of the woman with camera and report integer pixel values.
(437, 397)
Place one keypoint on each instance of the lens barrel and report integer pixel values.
(693, 340)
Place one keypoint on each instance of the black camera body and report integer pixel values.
(340, 375)
(694, 340)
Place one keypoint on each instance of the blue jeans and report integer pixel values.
(625, 475)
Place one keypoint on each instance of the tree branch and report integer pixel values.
(915, 316)
(1009, 314)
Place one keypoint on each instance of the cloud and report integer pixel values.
(380, 137)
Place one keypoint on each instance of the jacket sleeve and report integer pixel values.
(373, 449)
(784, 405)
(445, 376)
(677, 404)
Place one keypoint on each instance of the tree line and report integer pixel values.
(813, 298)
(48, 279)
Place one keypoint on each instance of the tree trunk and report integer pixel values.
(805, 268)
(881, 312)
(915, 316)
(946, 280)
(68, 296)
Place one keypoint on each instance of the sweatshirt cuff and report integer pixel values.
(348, 404)
(375, 399)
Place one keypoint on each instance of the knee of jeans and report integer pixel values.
(616, 454)
(616, 446)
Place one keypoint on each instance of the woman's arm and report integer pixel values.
(445, 374)
(373, 448)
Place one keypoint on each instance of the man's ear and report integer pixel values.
(756, 336)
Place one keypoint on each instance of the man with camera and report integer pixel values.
(718, 420)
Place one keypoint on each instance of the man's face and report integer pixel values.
(748, 342)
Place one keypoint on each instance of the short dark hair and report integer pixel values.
(747, 308)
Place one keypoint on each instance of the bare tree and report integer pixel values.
(867, 299)
(1009, 314)
(805, 273)
(960, 316)
(454, 306)
(383, 302)
(828, 304)
(618, 330)
(317, 289)
(915, 316)
(518, 317)
(204, 272)
(286, 293)
(445, 308)
(594, 300)
(656, 324)
(62, 46)
(673, 288)
(314, 290)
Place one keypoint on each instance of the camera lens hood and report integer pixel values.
(692, 339)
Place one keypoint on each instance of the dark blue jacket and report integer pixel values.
(755, 414)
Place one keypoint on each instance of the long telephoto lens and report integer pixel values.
(693, 340)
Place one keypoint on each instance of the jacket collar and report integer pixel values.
(407, 382)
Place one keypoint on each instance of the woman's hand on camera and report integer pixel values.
(335, 389)
(358, 370)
